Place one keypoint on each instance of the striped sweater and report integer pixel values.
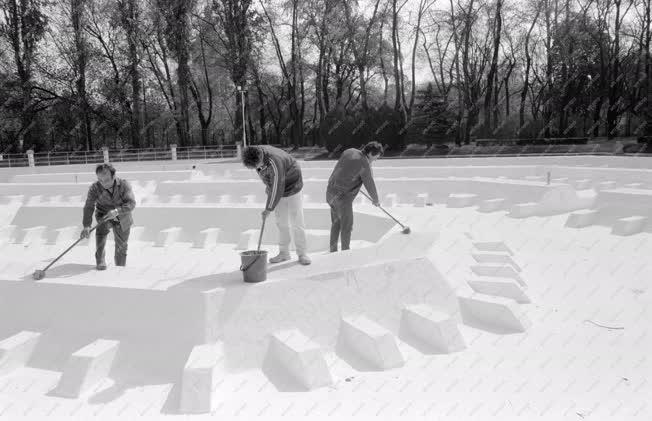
(281, 174)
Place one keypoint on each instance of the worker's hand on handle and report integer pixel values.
(112, 214)
(85, 233)
(265, 214)
(376, 203)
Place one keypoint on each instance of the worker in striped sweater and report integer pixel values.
(281, 174)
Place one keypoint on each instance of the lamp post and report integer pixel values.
(242, 89)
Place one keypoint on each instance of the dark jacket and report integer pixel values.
(100, 200)
(281, 174)
(350, 173)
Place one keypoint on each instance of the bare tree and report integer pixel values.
(23, 28)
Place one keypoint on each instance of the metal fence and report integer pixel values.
(116, 155)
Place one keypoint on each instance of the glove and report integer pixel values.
(85, 233)
(265, 213)
(376, 203)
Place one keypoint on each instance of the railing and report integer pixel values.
(230, 151)
(117, 155)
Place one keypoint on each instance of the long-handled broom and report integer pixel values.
(40, 273)
(406, 229)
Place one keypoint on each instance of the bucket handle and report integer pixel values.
(244, 269)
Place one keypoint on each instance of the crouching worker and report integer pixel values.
(112, 198)
(282, 176)
(352, 170)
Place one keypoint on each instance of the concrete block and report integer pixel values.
(248, 240)
(211, 300)
(176, 198)
(8, 234)
(492, 246)
(168, 237)
(152, 198)
(583, 184)
(87, 367)
(523, 210)
(606, 185)
(15, 199)
(629, 226)
(421, 200)
(581, 218)
(535, 178)
(561, 180)
(56, 199)
(199, 378)
(200, 198)
(493, 312)
(461, 200)
(67, 235)
(433, 327)
(299, 357)
(35, 200)
(391, 200)
(75, 199)
(496, 257)
(502, 287)
(370, 342)
(491, 205)
(208, 238)
(34, 235)
(225, 199)
(499, 270)
(16, 350)
(249, 199)
(136, 233)
(634, 186)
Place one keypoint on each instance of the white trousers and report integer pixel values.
(289, 212)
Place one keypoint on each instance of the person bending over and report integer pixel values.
(281, 174)
(352, 170)
(112, 198)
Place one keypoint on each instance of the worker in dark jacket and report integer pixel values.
(352, 170)
(281, 174)
(112, 198)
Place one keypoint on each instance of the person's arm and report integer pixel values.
(368, 181)
(129, 200)
(89, 206)
(277, 183)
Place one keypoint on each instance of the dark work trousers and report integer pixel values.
(120, 237)
(341, 221)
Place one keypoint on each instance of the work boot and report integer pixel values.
(281, 257)
(304, 260)
(101, 266)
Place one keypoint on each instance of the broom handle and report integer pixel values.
(260, 237)
(389, 214)
(73, 245)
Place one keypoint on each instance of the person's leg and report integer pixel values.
(346, 222)
(121, 242)
(101, 233)
(295, 206)
(335, 228)
(281, 213)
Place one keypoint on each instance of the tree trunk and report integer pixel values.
(493, 69)
(528, 65)
(81, 56)
(136, 117)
